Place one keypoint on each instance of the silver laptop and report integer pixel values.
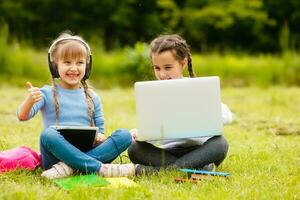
(178, 108)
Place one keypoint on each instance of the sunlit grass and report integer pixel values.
(263, 156)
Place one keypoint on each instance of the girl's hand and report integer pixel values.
(99, 139)
(34, 94)
(134, 133)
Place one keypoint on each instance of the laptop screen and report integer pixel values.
(178, 108)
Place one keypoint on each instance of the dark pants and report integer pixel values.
(213, 150)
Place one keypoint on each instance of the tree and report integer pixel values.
(232, 24)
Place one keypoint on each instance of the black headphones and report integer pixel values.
(53, 66)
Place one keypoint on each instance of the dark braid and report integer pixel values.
(177, 45)
(190, 67)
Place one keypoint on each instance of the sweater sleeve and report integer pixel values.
(226, 114)
(98, 113)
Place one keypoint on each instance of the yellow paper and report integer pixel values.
(120, 182)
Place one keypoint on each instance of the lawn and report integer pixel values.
(263, 158)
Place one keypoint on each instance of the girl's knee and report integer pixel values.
(132, 149)
(223, 144)
(48, 136)
(133, 152)
(122, 134)
(220, 144)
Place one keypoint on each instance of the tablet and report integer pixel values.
(82, 137)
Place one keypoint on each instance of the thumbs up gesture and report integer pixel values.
(34, 93)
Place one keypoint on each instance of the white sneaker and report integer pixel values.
(117, 170)
(210, 167)
(59, 170)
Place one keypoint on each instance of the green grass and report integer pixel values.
(264, 154)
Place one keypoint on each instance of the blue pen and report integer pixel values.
(194, 171)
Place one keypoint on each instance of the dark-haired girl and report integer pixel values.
(170, 55)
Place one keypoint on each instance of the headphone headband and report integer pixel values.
(76, 38)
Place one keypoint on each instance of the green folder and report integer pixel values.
(81, 181)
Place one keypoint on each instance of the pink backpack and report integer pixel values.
(19, 158)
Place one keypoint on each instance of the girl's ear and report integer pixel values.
(184, 63)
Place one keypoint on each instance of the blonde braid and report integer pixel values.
(55, 98)
(89, 101)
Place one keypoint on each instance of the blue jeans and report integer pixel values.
(55, 148)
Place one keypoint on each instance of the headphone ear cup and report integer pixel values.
(87, 72)
(88, 69)
(53, 70)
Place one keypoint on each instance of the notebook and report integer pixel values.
(81, 181)
(178, 108)
(81, 137)
(93, 180)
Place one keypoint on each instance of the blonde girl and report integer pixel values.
(69, 101)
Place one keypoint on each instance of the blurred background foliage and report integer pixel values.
(244, 42)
